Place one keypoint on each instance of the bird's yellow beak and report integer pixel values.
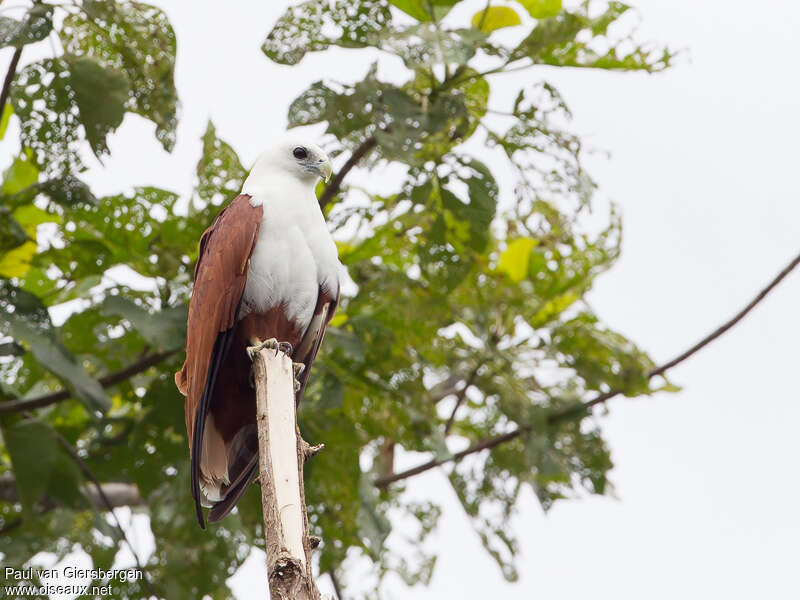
(325, 170)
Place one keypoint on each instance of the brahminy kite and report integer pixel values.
(267, 269)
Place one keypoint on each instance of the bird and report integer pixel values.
(267, 270)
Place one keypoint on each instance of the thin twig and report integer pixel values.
(106, 381)
(484, 14)
(12, 70)
(462, 394)
(335, 581)
(87, 472)
(476, 447)
(359, 153)
(698, 346)
(602, 398)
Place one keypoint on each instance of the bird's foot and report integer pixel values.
(272, 344)
(298, 368)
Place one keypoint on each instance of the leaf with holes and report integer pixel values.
(220, 173)
(62, 101)
(301, 28)
(100, 95)
(136, 39)
(426, 45)
(35, 27)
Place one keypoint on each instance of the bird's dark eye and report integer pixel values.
(300, 153)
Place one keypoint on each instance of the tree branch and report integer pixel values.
(460, 399)
(281, 455)
(476, 447)
(87, 472)
(333, 187)
(335, 582)
(585, 407)
(117, 493)
(106, 381)
(445, 388)
(12, 70)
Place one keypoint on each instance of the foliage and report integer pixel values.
(468, 317)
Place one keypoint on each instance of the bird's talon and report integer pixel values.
(258, 347)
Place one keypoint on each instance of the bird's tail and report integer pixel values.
(234, 491)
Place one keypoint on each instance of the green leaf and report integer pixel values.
(100, 95)
(515, 258)
(479, 210)
(136, 39)
(345, 112)
(58, 360)
(164, 329)
(541, 9)
(62, 101)
(5, 116)
(41, 467)
(50, 127)
(494, 18)
(372, 524)
(566, 40)
(475, 90)
(11, 349)
(66, 191)
(12, 235)
(414, 8)
(408, 126)
(79, 289)
(425, 45)
(34, 449)
(220, 173)
(425, 10)
(300, 29)
(16, 262)
(604, 359)
(35, 27)
(19, 175)
(552, 309)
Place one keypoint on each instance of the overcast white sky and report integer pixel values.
(703, 166)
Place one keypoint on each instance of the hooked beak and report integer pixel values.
(325, 170)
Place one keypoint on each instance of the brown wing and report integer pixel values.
(220, 277)
(304, 352)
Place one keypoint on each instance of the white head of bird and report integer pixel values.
(291, 158)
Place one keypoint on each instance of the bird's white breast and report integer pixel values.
(294, 254)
